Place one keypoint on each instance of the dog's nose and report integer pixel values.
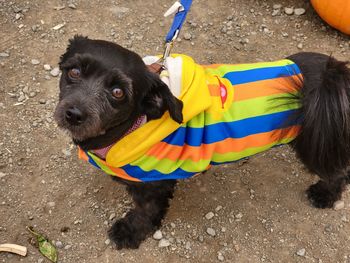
(74, 116)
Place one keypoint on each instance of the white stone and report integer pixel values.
(35, 61)
(211, 232)
(338, 205)
(301, 252)
(163, 243)
(299, 11)
(209, 215)
(112, 216)
(289, 10)
(158, 235)
(59, 26)
(55, 72)
(47, 67)
(187, 36)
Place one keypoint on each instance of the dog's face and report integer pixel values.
(105, 88)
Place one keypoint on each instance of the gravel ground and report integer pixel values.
(250, 211)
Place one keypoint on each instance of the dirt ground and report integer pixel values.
(260, 210)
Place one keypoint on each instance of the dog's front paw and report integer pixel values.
(130, 231)
(124, 235)
(320, 195)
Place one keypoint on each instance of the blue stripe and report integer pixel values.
(236, 129)
(155, 175)
(93, 162)
(240, 77)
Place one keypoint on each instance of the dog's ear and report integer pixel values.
(159, 99)
(73, 46)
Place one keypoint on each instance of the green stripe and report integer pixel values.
(166, 166)
(223, 69)
(233, 156)
(247, 109)
(102, 166)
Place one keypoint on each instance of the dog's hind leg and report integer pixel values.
(151, 204)
(323, 144)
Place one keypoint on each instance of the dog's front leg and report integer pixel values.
(151, 204)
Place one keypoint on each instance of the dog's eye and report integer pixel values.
(74, 73)
(118, 93)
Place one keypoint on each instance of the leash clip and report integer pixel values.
(168, 46)
(180, 9)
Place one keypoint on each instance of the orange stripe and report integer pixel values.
(82, 155)
(216, 65)
(120, 172)
(205, 151)
(267, 87)
(214, 90)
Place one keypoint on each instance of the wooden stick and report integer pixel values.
(13, 248)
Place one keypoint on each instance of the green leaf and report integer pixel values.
(46, 248)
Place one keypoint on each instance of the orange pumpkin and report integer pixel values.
(335, 12)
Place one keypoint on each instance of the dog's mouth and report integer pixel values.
(79, 130)
(92, 134)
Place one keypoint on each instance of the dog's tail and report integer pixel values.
(324, 140)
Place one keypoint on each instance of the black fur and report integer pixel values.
(322, 145)
(151, 203)
(105, 65)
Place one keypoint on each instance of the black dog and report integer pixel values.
(105, 89)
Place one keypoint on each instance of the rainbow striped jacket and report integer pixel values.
(230, 112)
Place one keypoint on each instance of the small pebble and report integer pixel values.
(220, 257)
(277, 6)
(59, 26)
(299, 11)
(275, 12)
(163, 243)
(344, 219)
(289, 10)
(55, 72)
(201, 238)
(2, 175)
(209, 215)
(47, 67)
(4, 55)
(338, 205)
(211, 232)
(40, 260)
(107, 241)
(300, 46)
(112, 216)
(59, 244)
(51, 204)
(301, 252)
(187, 36)
(35, 61)
(72, 6)
(218, 208)
(67, 247)
(158, 235)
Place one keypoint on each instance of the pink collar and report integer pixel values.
(102, 152)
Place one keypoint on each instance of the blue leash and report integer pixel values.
(178, 21)
(180, 16)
